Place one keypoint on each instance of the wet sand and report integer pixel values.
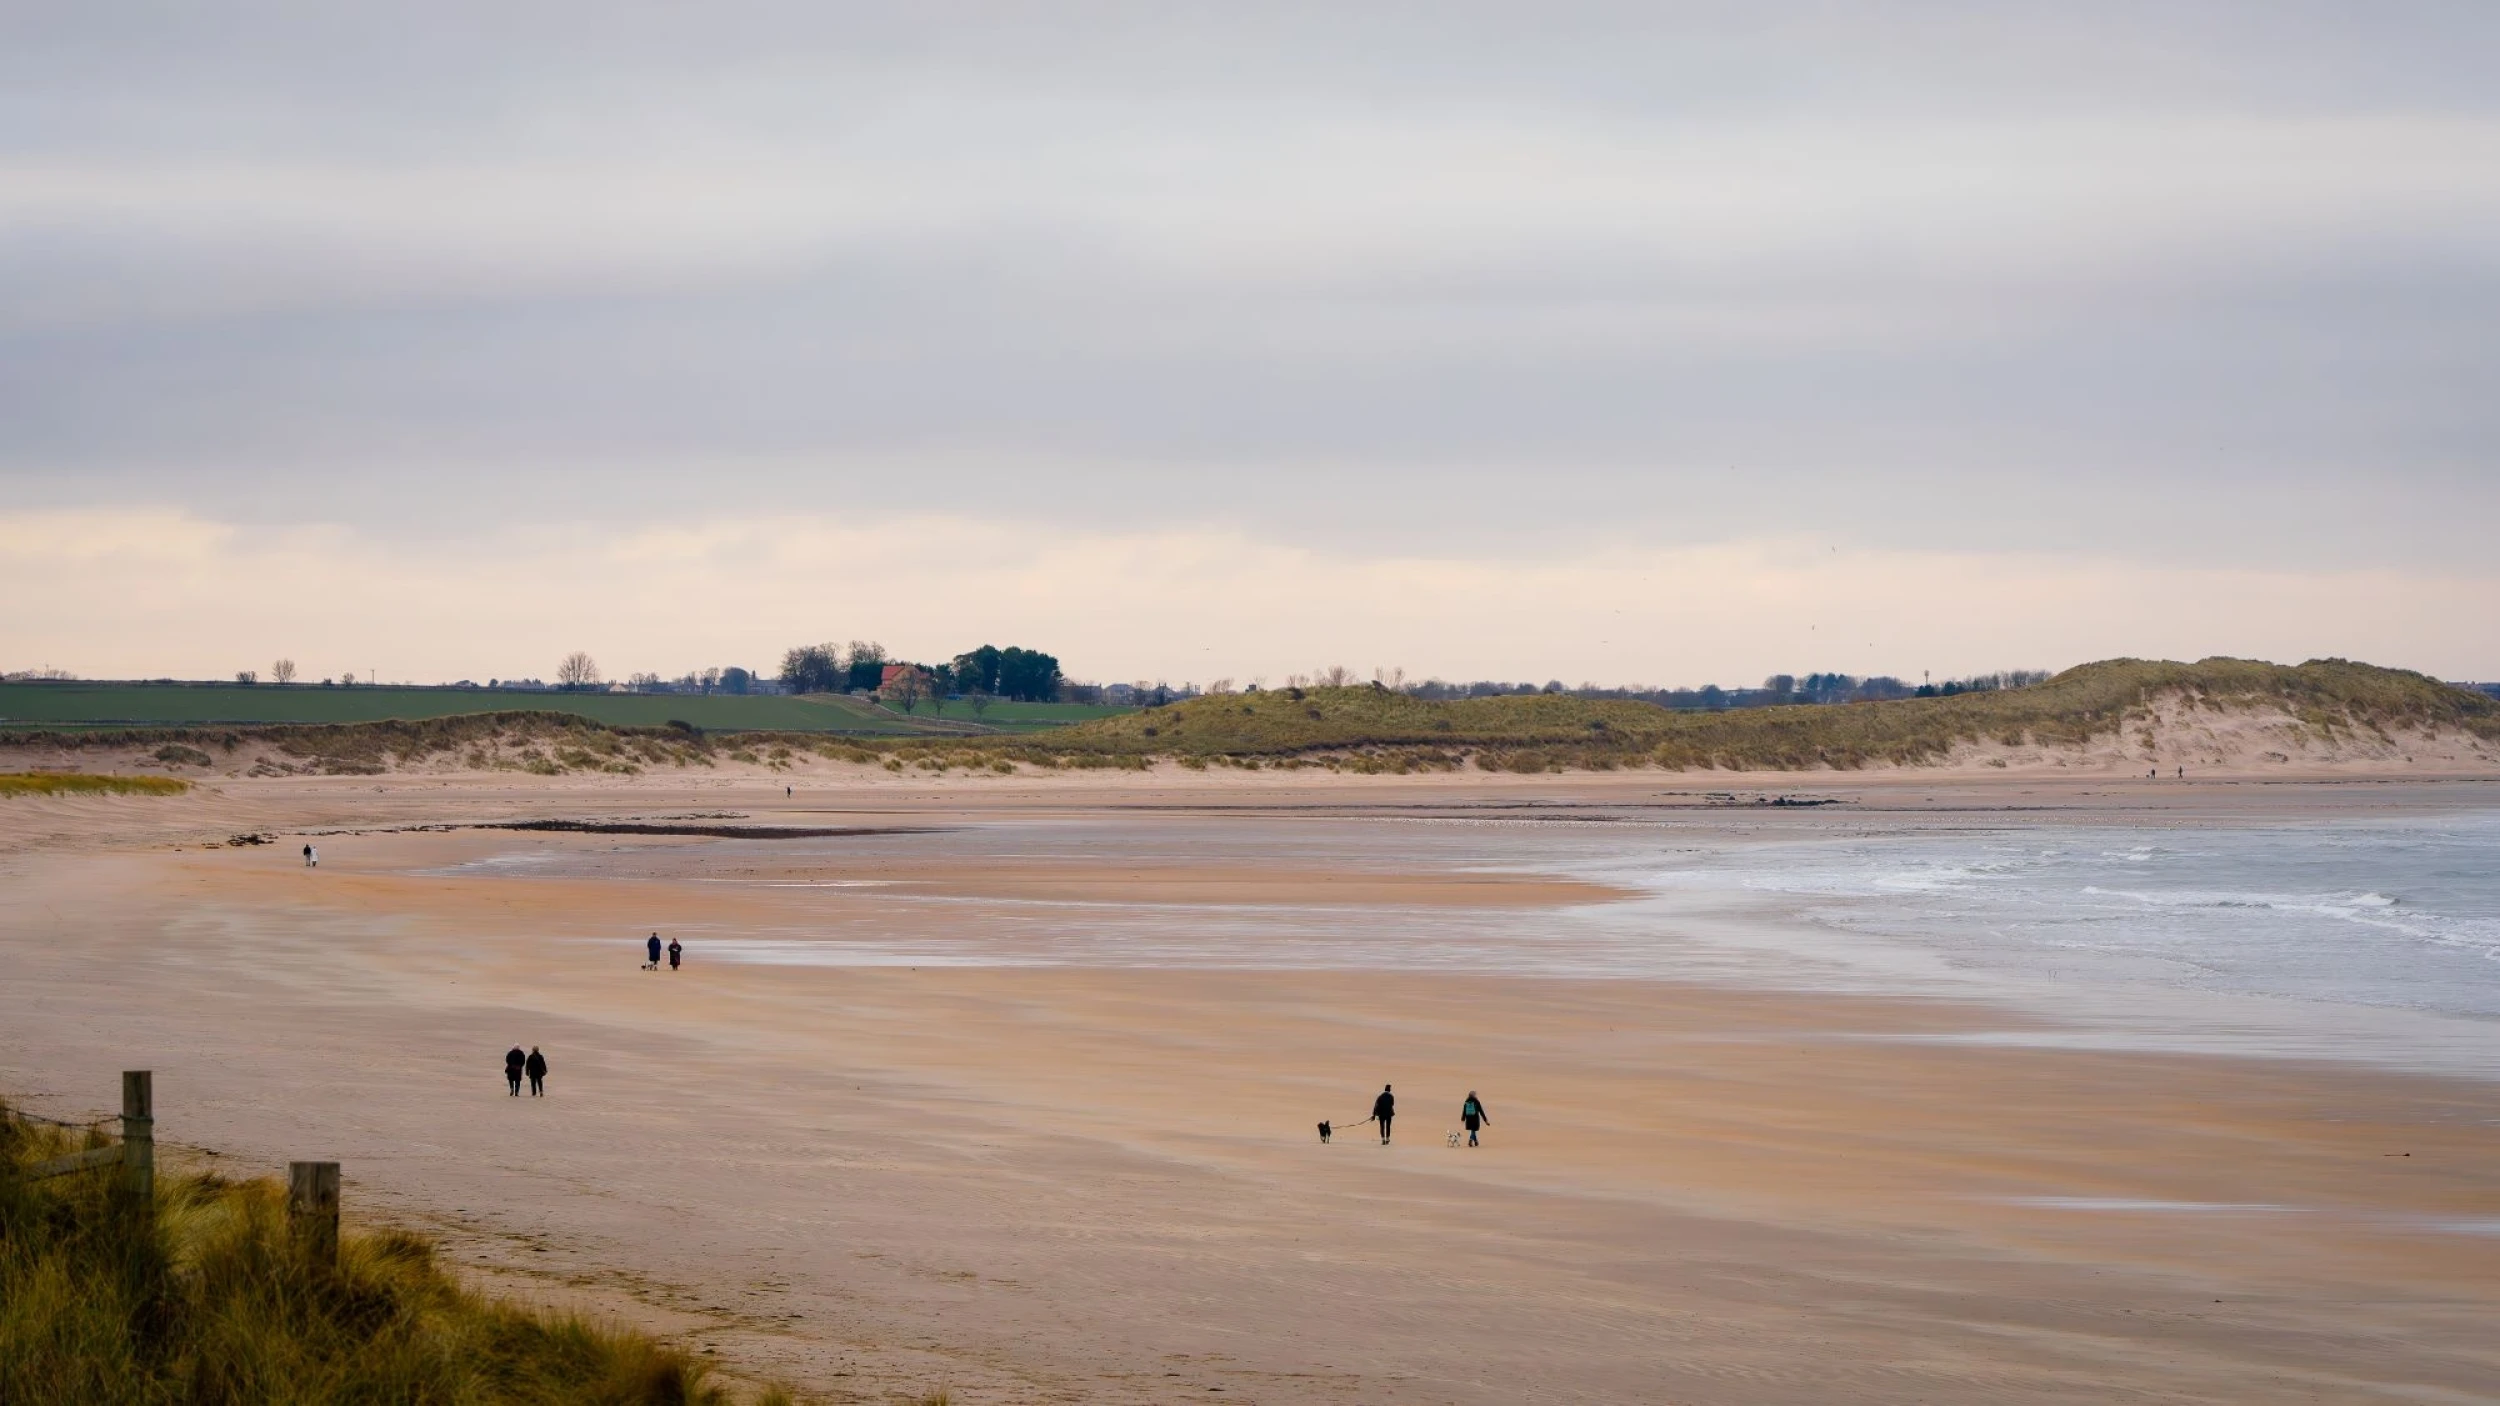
(1103, 1184)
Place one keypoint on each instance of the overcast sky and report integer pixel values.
(1657, 342)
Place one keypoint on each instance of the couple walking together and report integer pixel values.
(533, 1064)
(675, 951)
(1471, 1113)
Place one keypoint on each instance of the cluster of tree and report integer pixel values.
(1833, 688)
(1984, 683)
(1025, 675)
(579, 673)
(1779, 690)
(713, 680)
(834, 668)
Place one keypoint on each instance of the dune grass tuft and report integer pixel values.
(205, 1300)
(74, 783)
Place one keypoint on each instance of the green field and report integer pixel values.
(88, 705)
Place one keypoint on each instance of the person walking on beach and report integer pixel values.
(675, 951)
(513, 1060)
(537, 1067)
(1384, 1108)
(652, 963)
(1473, 1115)
(308, 856)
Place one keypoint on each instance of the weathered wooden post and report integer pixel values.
(139, 1132)
(312, 1209)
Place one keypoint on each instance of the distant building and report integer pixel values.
(894, 673)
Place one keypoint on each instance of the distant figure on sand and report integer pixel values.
(675, 951)
(537, 1068)
(652, 963)
(1384, 1108)
(513, 1060)
(308, 856)
(1473, 1115)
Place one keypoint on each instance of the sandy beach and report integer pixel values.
(987, 1152)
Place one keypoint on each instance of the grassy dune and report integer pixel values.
(204, 1300)
(1370, 729)
(1375, 727)
(71, 783)
(522, 741)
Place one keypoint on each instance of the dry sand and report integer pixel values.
(1104, 1184)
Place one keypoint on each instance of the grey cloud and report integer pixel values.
(2203, 281)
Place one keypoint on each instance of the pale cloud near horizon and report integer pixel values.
(149, 592)
(2202, 293)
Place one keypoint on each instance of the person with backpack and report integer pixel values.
(513, 1060)
(1472, 1114)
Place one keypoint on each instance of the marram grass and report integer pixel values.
(205, 1302)
(1378, 730)
(75, 783)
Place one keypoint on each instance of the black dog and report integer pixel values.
(1323, 1132)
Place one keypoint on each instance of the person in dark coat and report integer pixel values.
(653, 947)
(1473, 1115)
(537, 1067)
(674, 952)
(512, 1061)
(1384, 1108)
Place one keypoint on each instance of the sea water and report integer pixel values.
(2400, 913)
(2366, 939)
(2374, 939)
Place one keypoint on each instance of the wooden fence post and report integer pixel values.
(139, 1132)
(312, 1208)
